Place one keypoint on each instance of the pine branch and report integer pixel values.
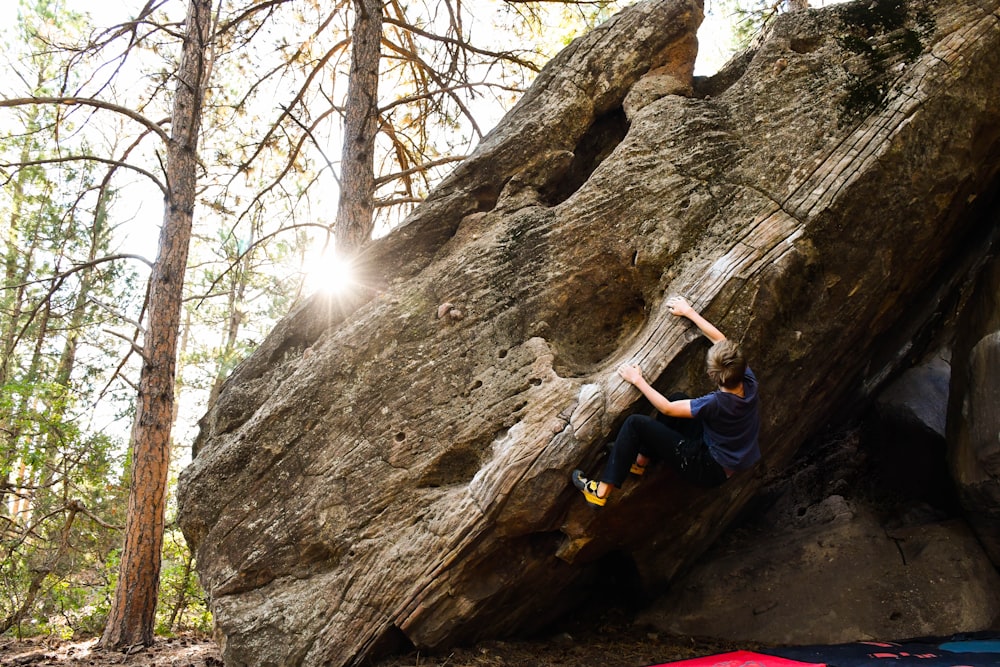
(87, 101)
(82, 158)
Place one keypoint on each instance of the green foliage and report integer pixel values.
(55, 544)
(182, 605)
(60, 495)
(747, 18)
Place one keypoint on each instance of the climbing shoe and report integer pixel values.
(589, 488)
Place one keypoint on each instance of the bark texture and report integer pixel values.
(356, 206)
(396, 468)
(131, 618)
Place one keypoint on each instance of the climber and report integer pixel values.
(706, 439)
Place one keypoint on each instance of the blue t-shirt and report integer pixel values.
(731, 424)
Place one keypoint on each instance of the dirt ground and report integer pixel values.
(613, 642)
(179, 651)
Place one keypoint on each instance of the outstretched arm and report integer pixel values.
(679, 306)
(633, 375)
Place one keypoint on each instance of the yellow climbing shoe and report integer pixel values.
(589, 489)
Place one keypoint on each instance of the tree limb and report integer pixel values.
(86, 101)
(138, 349)
(498, 55)
(85, 158)
(114, 311)
(382, 180)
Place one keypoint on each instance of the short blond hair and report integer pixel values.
(726, 364)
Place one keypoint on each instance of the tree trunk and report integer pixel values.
(235, 298)
(22, 411)
(132, 614)
(18, 263)
(354, 222)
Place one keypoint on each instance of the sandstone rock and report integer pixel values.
(408, 482)
(910, 429)
(832, 552)
(917, 401)
(806, 586)
(974, 416)
(675, 77)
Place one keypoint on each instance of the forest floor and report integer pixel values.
(612, 641)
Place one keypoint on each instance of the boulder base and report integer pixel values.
(842, 581)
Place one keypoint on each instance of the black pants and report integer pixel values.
(675, 440)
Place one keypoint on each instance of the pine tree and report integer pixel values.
(133, 611)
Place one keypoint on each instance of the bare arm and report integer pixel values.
(633, 375)
(679, 306)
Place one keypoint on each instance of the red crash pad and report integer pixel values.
(741, 659)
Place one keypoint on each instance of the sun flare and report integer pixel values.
(330, 273)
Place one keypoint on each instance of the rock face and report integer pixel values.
(375, 474)
(912, 415)
(920, 581)
(974, 411)
(791, 572)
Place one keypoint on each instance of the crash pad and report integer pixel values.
(741, 659)
(972, 650)
(966, 650)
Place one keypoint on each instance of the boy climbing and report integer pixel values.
(706, 439)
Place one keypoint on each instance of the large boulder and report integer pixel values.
(394, 469)
(911, 413)
(974, 411)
